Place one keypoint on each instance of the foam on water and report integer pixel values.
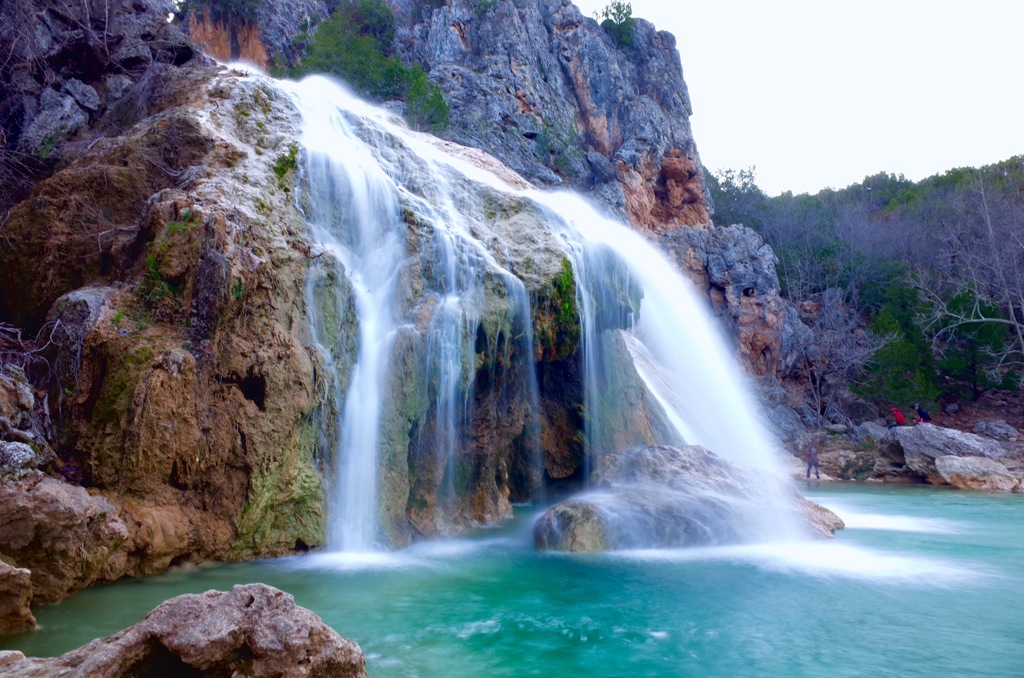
(899, 523)
(423, 555)
(830, 559)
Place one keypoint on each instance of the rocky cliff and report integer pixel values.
(553, 96)
(546, 91)
(162, 264)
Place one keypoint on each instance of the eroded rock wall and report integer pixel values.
(735, 268)
(534, 83)
(163, 263)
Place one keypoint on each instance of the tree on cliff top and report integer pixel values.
(618, 22)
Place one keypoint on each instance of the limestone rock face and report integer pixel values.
(669, 497)
(164, 264)
(997, 429)
(967, 460)
(60, 532)
(16, 457)
(736, 269)
(563, 103)
(252, 630)
(15, 596)
(17, 407)
(267, 39)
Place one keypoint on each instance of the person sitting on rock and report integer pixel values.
(922, 414)
(812, 460)
(898, 416)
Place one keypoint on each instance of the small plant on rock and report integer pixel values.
(618, 22)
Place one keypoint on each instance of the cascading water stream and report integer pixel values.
(362, 182)
(675, 347)
(353, 216)
(363, 171)
(675, 344)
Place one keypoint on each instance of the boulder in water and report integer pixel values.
(668, 497)
(251, 630)
(977, 473)
(945, 456)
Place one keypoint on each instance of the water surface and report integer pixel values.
(923, 582)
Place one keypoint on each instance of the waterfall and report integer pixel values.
(675, 344)
(365, 179)
(354, 218)
(413, 270)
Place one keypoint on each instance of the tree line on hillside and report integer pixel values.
(914, 291)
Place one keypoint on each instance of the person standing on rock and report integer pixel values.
(812, 460)
(922, 414)
(898, 416)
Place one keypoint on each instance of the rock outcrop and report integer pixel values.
(998, 429)
(669, 497)
(944, 456)
(23, 418)
(60, 532)
(564, 103)
(68, 70)
(267, 37)
(252, 630)
(163, 264)
(15, 599)
(736, 269)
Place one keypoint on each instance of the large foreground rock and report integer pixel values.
(253, 630)
(665, 497)
(945, 456)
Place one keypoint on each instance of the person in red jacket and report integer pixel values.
(898, 416)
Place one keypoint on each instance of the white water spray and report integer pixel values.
(675, 344)
(363, 169)
(354, 217)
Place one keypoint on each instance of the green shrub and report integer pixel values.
(427, 109)
(618, 22)
(354, 45)
(484, 6)
(556, 145)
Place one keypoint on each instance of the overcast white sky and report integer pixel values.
(819, 93)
